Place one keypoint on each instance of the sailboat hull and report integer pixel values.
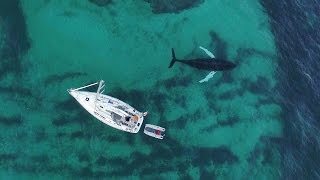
(110, 111)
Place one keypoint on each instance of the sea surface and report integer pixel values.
(257, 121)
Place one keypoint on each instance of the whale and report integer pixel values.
(210, 64)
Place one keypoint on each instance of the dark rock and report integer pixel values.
(11, 121)
(101, 161)
(6, 158)
(16, 40)
(77, 134)
(58, 78)
(172, 6)
(83, 157)
(101, 3)
(219, 155)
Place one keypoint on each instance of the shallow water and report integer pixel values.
(238, 125)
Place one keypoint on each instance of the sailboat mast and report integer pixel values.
(100, 90)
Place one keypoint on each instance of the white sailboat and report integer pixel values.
(109, 110)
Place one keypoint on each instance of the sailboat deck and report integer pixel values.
(109, 110)
(120, 112)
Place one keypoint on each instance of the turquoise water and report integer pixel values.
(220, 129)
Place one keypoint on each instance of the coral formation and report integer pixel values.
(172, 6)
(101, 3)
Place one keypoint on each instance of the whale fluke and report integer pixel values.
(173, 58)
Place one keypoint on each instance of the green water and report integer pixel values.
(219, 129)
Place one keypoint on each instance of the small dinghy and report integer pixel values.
(154, 131)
